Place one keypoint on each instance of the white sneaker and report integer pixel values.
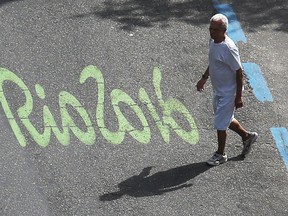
(247, 144)
(217, 159)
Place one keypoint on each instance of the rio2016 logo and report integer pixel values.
(165, 122)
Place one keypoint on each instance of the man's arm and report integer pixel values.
(239, 82)
(202, 81)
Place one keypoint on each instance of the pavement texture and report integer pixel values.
(48, 44)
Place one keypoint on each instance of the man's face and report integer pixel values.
(216, 32)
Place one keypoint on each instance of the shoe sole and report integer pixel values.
(213, 164)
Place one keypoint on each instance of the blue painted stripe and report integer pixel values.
(257, 82)
(234, 30)
(281, 138)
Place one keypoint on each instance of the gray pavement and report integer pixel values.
(49, 43)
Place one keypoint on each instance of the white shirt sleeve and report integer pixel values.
(233, 59)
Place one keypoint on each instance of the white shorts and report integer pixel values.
(223, 107)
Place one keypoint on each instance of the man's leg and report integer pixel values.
(221, 135)
(237, 127)
(248, 137)
(223, 112)
(219, 157)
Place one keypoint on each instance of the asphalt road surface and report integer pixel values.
(100, 114)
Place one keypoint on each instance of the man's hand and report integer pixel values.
(238, 102)
(200, 85)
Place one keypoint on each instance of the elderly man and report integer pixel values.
(226, 74)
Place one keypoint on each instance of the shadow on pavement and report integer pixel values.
(257, 14)
(2, 2)
(159, 183)
(237, 158)
(147, 13)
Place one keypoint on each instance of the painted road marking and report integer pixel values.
(234, 30)
(257, 82)
(165, 121)
(281, 138)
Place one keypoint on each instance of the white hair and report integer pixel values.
(222, 18)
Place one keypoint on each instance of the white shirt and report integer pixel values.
(224, 61)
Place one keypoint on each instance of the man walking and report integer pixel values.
(226, 74)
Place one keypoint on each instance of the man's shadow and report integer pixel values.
(159, 183)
